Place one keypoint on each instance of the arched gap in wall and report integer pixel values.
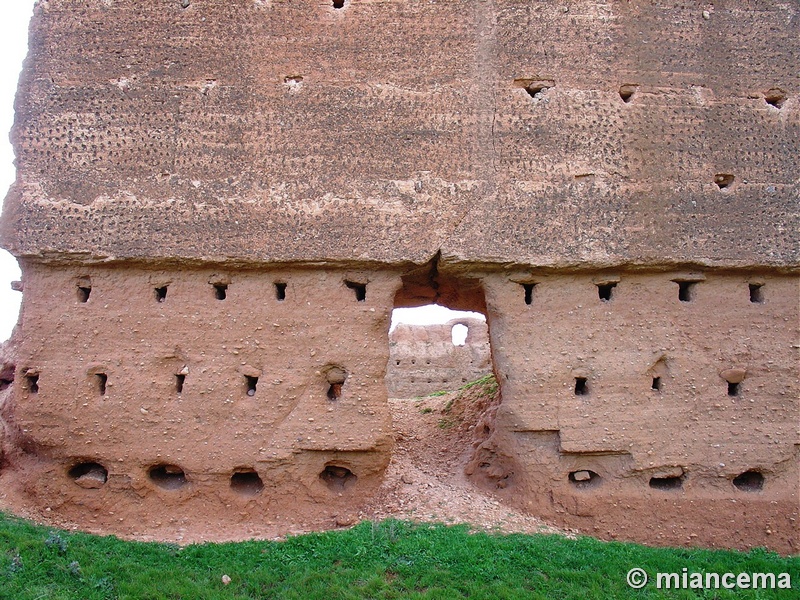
(438, 339)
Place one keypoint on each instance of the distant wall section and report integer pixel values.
(423, 358)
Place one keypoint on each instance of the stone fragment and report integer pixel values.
(734, 375)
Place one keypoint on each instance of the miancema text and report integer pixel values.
(686, 580)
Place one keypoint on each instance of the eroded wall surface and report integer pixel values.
(615, 184)
(145, 392)
(424, 359)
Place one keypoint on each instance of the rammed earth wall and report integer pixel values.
(219, 203)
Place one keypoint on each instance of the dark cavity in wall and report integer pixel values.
(627, 91)
(584, 479)
(656, 383)
(749, 481)
(605, 291)
(734, 389)
(280, 291)
(338, 4)
(247, 482)
(775, 97)
(32, 382)
(88, 474)
(528, 287)
(756, 293)
(220, 291)
(250, 385)
(84, 289)
(666, 483)
(167, 477)
(180, 379)
(686, 290)
(535, 88)
(360, 289)
(101, 380)
(161, 293)
(337, 478)
(724, 180)
(581, 386)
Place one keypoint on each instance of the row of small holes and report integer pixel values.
(221, 291)
(686, 290)
(582, 386)
(101, 381)
(774, 97)
(170, 477)
(749, 481)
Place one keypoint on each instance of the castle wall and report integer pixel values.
(423, 358)
(662, 460)
(518, 158)
(288, 429)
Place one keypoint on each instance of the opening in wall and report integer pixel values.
(360, 289)
(686, 290)
(756, 293)
(528, 288)
(89, 475)
(84, 289)
(280, 291)
(666, 483)
(335, 378)
(605, 290)
(101, 381)
(734, 388)
(656, 383)
(439, 336)
(581, 386)
(749, 481)
(180, 379)
(161, 293)
(220, 291)
(167, 477)
(246, 482)
(250, 384)
(458, 335)
(32, 383)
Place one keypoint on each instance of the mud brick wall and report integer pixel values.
(615, 185)
(423, 358)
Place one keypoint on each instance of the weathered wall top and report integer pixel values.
(529, 132)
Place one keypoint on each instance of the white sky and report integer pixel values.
(14, 17)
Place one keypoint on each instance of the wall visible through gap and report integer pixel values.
(423, 358)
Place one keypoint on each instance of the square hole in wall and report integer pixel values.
(360, 289)
(686, 290)
(220, 291)
(32, 383)
(756, 293)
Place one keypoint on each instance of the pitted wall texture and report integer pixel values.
(218, 204)
(387, 131)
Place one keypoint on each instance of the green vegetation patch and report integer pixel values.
(487, 381)
(390, 559)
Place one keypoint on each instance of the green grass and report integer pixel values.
(487, 381)
(391, 559)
